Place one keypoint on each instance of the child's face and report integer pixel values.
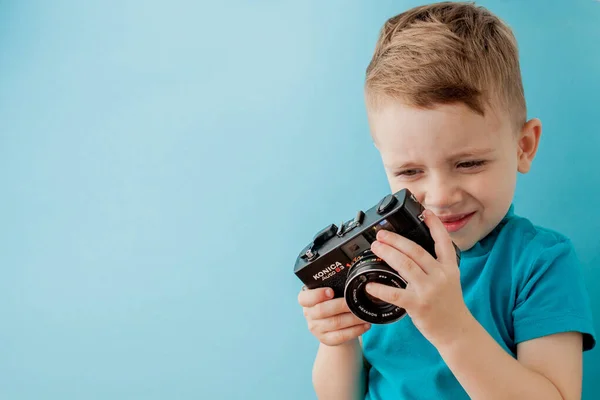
(460, 165)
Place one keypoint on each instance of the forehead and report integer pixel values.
(405, 133)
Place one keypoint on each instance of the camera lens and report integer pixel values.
(366, 268)
(375, 300)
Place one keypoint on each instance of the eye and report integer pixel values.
(407, 172)
(471, 164)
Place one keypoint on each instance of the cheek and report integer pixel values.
(495, 188)
(396, 184)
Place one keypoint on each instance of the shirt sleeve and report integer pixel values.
(553, 297)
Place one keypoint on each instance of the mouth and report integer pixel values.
(455, 222)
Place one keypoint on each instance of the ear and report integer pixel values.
(529, 140)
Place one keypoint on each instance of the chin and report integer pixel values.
(462, 242)
(466, 245)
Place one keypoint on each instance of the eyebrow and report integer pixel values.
(474, 152)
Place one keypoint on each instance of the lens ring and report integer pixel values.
(370, 268)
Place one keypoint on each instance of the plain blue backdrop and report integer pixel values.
(162, 163)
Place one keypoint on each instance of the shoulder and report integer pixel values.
(523, 231)
(527, 244)
(548, 290)
(531, 253)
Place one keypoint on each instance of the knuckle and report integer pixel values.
(340, 337)
(444, 278)
(419, 252)
(339, 307)
(425, 304)
(337, 321)
(319, 311)
(406, 264)
(428, 293)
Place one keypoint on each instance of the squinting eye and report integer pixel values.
(408, 172)
(471, 164)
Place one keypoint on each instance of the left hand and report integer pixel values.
(433, 295)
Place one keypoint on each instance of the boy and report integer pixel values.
(447, 113)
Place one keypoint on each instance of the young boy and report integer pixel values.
(447, 113)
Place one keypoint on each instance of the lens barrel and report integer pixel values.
(366, 268)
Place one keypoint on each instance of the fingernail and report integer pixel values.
(329, 293)
(382, 235)
(367, 326)
(368, 287)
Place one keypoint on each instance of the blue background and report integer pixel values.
(162, 163)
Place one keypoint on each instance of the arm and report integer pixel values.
(547, 368)
(338, 372)
(552, 300)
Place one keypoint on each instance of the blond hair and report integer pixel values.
(447, 53)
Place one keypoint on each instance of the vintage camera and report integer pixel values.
(341, 257)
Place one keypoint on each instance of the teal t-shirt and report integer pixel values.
(520, 282)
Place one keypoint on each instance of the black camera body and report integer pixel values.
(339, 257)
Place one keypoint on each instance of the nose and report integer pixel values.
(441, 193)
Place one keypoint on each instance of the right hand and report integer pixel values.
(330, 320)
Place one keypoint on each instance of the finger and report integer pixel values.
(444, 249)
(414, 251)
(309, 298)
(328, 309)
(407, 268)
(337, 322)
(396, 296)
(335, 338)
